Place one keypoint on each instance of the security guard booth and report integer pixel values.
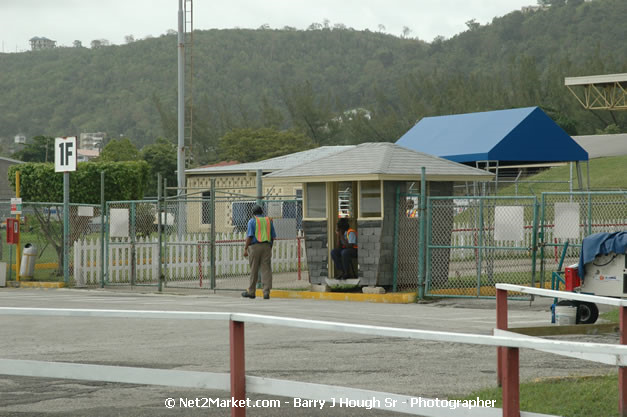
(362, 183)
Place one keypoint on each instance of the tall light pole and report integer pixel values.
(180, 156)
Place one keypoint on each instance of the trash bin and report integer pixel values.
(27, 267)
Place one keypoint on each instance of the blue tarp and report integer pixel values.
(525, 135)
(600, 244)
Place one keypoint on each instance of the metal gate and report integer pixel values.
(132, 243)
(568, 217)
(474, 242)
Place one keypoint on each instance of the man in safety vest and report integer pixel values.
(259, 238)
(346, 249)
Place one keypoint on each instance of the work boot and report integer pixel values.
(246, 295)
(266, 295)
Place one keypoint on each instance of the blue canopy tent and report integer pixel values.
(524, 135)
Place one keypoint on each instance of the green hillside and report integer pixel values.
(306, 80)
(606, 174)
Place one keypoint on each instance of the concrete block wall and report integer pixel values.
(316, 244)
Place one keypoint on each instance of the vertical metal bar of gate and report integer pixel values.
(534, 241)
(480, 257)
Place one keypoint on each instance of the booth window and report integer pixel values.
(370, 199)
(316, 200)
(205, 209)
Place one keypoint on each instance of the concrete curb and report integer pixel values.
(35, 284)
(395, 298)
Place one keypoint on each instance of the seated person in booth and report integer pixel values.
(346, 249)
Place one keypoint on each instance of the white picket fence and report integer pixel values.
(185, 258)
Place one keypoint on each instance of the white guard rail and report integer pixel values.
(239, 383)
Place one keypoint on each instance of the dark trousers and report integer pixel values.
(343, 259)
(260, 259)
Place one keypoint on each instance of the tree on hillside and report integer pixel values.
(40, 149)
(118, 150)
(161, 158)
(247, 145)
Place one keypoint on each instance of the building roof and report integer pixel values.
(221, 164)
(272, 164)
(599, 146)
(15, 161)
(515, 135)
(376, 161)
(596, 79)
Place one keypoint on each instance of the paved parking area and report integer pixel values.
(417, 368)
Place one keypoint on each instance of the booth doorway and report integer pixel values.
(343, 204)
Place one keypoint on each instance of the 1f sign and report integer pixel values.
(65, 154)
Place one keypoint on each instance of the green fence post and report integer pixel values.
(66, 228)
(159, 231)
(589, 214)
(542, 239)
(213, 234)
(133, 243)
(102, 228)
(534, 241)
(396, 219)
(480, 244)
(427, 241)
(421, 247)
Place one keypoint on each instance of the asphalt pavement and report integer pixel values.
(408, 367)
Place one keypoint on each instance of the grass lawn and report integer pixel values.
(589, 396)
(611, 315)
(605, 174)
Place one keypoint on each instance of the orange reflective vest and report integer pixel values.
(263, 229)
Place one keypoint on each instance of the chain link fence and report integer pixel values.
(202, 241)
(407, 242)
(475, 242)
(41, 226)
(569, 217)
(189, 243)
(132, 252)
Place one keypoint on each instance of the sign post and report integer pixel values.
(65, 161)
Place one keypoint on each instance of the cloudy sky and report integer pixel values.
(85, 20)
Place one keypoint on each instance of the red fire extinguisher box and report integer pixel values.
(571, 276)
(13, 231)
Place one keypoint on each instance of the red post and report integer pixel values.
(298, 240)
(501, 324)
(238, 370)
(511, 393)
(622, 371)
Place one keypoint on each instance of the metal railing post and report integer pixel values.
(501, 324)
(511, 378)
(238, 366)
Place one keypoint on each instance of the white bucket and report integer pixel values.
(565, 315)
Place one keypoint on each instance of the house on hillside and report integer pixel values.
(236, 190)
(510, 143)
(38, 43)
